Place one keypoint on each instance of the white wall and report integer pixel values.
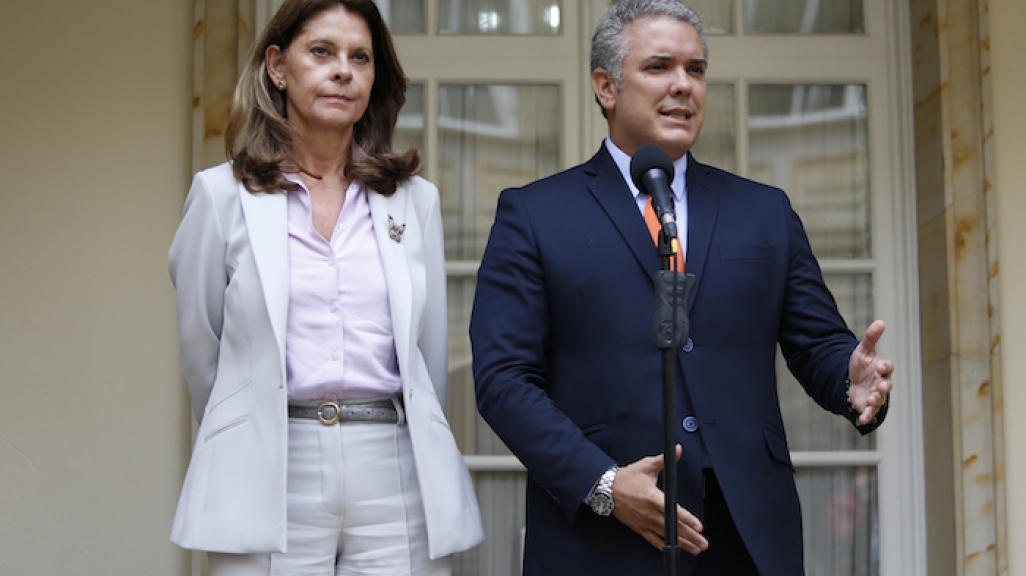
(1009, 92)
(94, 162)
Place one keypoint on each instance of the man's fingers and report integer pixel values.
(874, 404)
(885, 368)
(873, 334)
(689, 531)
(687, 538)
(654, 539)
(689, 520)
(653, 465)
(691, 541)
(640, 505)
(867, 416)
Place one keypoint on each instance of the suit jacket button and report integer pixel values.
(689, 345)
(690, 424)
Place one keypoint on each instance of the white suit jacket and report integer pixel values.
(229, 264)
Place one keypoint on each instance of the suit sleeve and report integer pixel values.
(815, 340)
(197, 265)
(511, 339)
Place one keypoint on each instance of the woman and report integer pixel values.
(310, 284)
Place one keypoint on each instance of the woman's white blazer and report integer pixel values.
(230, 267)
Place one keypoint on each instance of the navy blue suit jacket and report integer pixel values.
(568, 377)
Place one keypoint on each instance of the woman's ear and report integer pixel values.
(274, 60)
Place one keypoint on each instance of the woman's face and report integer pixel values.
(328, 72)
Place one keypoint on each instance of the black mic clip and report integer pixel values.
(671, 326)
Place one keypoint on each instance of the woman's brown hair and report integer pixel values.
(258, 139)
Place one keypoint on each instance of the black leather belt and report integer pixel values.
(387, 410)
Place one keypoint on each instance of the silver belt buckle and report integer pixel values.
(329, 413)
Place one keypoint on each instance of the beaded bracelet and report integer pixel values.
(847, 396)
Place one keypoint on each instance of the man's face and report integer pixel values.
(662, 97)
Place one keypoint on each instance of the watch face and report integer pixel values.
(602, 504)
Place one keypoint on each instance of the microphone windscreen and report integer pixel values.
(646, 158)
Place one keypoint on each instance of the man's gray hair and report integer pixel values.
(609, 45)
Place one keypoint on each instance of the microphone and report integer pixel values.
(652, 172)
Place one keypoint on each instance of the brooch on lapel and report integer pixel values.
(395, 232)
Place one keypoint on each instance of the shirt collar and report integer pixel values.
(623, 162)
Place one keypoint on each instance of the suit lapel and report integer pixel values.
(613, 194)
(703, 209)
(395, 264)
(268, 226)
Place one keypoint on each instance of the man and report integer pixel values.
(566, 371)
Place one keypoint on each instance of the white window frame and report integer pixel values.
(880, 60)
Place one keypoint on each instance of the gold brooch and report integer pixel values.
(395, 232)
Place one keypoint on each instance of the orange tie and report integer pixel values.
(654, 227)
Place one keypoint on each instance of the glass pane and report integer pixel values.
(409, 127)
(491, 137)
(812, 141)
(804, 17)
(462, 408)
(716, 145)
(502, 498)
(717, 15)
(841, 521)
(540, 17)
(810, 427)
(403, 16)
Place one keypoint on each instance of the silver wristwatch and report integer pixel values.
(601, 499)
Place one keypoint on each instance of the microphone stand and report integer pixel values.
(669, 332)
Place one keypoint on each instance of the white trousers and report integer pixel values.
(354, 507)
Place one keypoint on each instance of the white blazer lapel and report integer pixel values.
(395, 231)
(268, 227)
